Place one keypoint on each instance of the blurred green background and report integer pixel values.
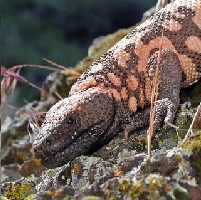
(60, 31)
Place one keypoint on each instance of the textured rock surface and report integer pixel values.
(118, 170)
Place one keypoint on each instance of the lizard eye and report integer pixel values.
(71, 121)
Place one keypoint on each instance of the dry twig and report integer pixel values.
(190, 130)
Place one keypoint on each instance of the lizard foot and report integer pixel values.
(165, 111)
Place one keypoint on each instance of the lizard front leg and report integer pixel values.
(170, 77)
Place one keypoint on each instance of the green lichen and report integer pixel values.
(17, 191)
(180, 194)
(91, 198)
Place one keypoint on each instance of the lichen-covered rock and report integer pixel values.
(120, 169)
(87, 170)
(16, 141)
(166, 176)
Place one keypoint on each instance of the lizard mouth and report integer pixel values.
(78, 144)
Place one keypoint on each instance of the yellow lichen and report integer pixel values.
(17, 191)
(152, 187)
(77, 168)
(30, 197)
(153, 184)
(127, 187)
(54, 193)
(159, 183)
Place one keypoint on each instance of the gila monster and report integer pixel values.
(115, 92)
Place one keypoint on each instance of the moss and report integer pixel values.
(91, 198)
(31, 166)
(17, 191)
(139, 142)
(179, 194)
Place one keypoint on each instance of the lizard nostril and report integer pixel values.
(46, 147)
(47, 142)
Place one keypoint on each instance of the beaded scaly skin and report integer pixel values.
(115, 92)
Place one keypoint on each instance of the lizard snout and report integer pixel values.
(44, 148)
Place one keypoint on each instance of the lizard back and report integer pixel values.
(110, 95)
(122, 70)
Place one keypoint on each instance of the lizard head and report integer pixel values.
(74, 126)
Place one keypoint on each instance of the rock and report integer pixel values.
(166, 175)
(118, 170)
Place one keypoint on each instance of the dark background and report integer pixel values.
(60, 31)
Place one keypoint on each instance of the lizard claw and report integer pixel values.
(165, 109)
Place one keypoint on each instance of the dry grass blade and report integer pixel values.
(16, 77)
(190, 130)
(154, 96)
(36, 118)
(8, 84)
(35, 66)
(161, 4)
(54, 64)
(14, 82)
(12, 76)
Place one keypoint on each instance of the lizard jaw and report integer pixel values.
(79, 145)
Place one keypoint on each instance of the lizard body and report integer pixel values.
(116, 89)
